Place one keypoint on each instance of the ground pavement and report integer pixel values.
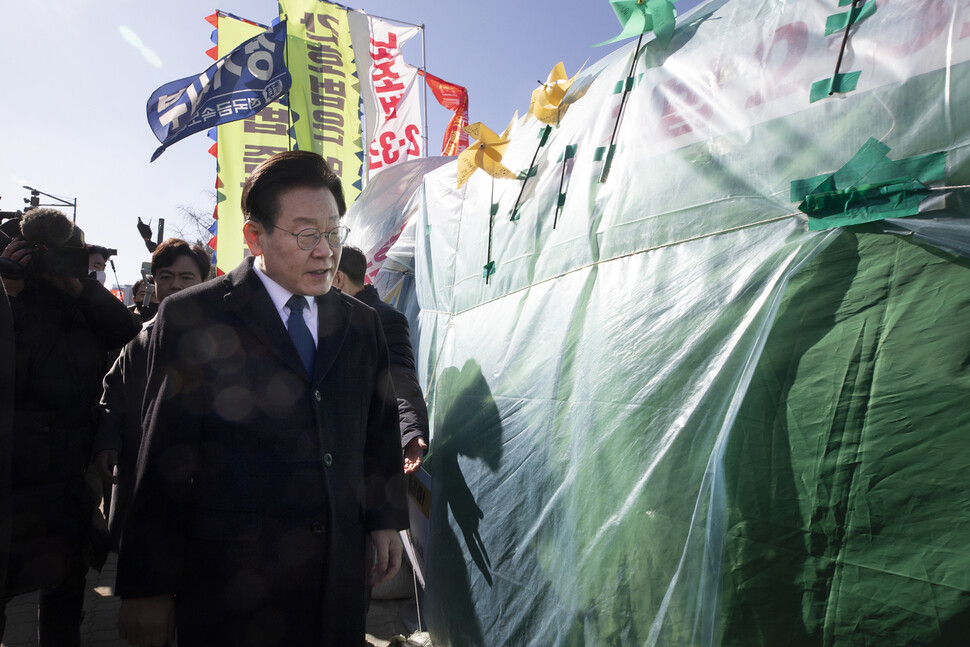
(100, 626)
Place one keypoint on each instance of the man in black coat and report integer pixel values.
(411, 407)
(271, 446)
(176, 265)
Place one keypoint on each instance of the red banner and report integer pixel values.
(454, 98)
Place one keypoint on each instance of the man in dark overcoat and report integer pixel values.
(176, 265)
(271, 444)
(411, 407)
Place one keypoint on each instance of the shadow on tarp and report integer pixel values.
(467, 426)
(763, 498)
(845, 467)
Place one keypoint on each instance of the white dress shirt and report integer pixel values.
(281, 295)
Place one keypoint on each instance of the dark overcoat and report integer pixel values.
(119, 425)
(411, 407)
(256, 483)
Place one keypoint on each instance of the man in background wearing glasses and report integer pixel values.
(271, 442)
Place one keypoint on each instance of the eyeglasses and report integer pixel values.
(309, 238)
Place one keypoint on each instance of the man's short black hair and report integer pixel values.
(101, 249)
(140, 283)
(166, 254)
(287, 170)
(353, 263)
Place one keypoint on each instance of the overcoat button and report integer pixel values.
(318, 395)
(327, 459)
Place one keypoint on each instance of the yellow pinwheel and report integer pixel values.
(485, 153)
(546, 99)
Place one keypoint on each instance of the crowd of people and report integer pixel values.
(240, 441)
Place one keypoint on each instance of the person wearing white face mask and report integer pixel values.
(97, 262)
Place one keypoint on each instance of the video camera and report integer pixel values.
(57, 246)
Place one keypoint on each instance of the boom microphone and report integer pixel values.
(46, 228)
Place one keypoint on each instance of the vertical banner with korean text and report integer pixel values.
(394, 127)
(325, 95)
(242, 145)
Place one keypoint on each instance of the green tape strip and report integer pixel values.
(626, 84)
(840, 21)
(532, 171)
(489, 269)
(515, 215)
(494, 209)
(607, 164)
(599, 154)
(561, 201)
(839, 83)
(568, 153)
(869, 187)
(544, 135)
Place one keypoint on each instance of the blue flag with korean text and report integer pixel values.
(238, 85)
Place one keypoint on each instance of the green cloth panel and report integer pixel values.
(839, 83)
(869, 187)
(840, 21)
(848, 518)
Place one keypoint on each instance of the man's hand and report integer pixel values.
(105, 461)
(413, 454)
(389, 551)
(17, 252)
(147, 622)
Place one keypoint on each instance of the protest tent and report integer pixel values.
(698, 376)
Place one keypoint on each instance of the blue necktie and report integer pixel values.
(299, 333)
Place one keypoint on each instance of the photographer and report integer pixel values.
(64, 324)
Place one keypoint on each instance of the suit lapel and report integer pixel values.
(333, 323)
(249, 300)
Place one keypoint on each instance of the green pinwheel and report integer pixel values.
(640, 16)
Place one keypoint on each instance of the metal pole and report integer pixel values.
(425, 96)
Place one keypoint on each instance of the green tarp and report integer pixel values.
(674, 415)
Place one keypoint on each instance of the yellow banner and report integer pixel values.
(325, 95)
(242, 145)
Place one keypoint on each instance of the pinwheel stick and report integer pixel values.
(562, 180)
(528, 172)
(845, 42)
(491, 228)
(619, 115)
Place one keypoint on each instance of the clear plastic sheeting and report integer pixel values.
(673, 415)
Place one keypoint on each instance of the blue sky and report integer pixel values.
(77, 75)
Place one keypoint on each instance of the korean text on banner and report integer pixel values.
(242, 146)
(397, 133)
(239, 84)
(325, 96)
(454, 98)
